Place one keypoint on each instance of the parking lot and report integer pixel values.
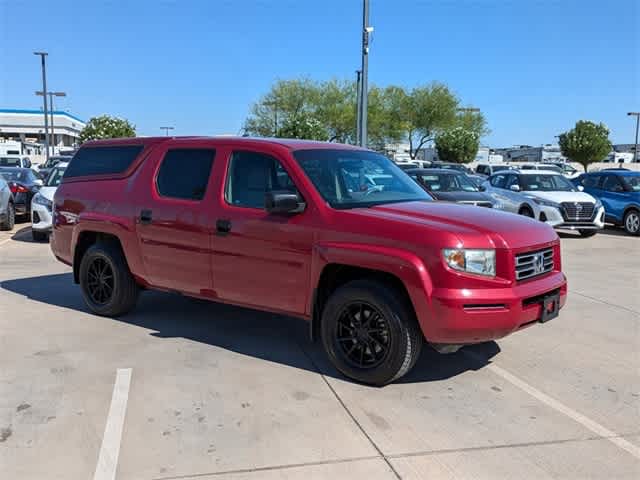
(205, 391)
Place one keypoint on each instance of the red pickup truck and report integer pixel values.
(334, 234)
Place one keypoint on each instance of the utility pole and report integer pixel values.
(44, 101)
(166, 130)
(358, 106)
(51, 110)
(366, 30)
(636, 158)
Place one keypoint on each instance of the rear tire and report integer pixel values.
(10, 221)
(39, 236)
(370, 332)
(107, 285)
(632, 222)
(587, 233)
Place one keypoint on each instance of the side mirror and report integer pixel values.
(482, 188)
(39, 182)
(282, 202)
(514, 188)
(580, 188)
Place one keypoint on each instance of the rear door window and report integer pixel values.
(110, 160)
(184, 173)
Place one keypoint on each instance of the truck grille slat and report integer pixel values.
(533, 264)
(577, 211)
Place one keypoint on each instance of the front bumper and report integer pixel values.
(553, 216)
(40, 218)
(463, 316)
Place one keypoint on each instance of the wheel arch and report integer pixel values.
(334, 265)
(85, 240)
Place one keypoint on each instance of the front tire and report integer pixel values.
(526, 211)
(370, 332)
(632, 222)
(10, 221)
(107, 285)
(587, 233)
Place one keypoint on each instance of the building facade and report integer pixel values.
(527, 153)
(27, 127)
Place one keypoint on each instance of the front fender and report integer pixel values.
(404, 265)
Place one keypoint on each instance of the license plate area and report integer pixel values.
(550, 307)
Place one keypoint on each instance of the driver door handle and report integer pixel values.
(223, 226)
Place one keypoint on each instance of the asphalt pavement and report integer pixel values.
(183, 389)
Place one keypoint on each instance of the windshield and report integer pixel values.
(633, 182)
(9, 162)
(447, 182)
(16, 175)
(352, 178)
(55, 177)
(546, 183)
(498, 168)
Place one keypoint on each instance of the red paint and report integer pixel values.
(274, 262)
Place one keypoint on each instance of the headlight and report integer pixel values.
(546, 203)
(41, 200)
(598, 204)
(481, 262)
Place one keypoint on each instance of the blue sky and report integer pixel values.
(533, 67)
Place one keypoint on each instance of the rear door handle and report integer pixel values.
(146, 217)
(223, 227)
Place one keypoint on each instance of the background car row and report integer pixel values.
(28, 193)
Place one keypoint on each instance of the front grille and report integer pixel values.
(533, 264)
(577, 211)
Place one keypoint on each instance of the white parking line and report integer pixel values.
(589, 424)
(110, 449)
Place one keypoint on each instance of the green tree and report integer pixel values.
(305, 126)
(425, 112)
(586, 143)
(457, 145)
(286, 98)
(106, 126)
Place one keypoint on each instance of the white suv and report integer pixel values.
(548, 197)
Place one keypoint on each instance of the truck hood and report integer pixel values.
(473, 227)
(559, 197)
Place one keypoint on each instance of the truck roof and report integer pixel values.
(291, 144)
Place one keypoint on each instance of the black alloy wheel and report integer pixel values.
(363, 335)
(108, 287)
(370, 332)
(100, 282)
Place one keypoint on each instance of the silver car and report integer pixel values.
(7, 207)
(547, 196)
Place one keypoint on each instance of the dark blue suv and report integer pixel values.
(619, 192)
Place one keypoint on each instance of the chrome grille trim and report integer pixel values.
(534, 264)
(577, 211)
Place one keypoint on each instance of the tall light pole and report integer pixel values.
(44, 101)
(358, 106)
(364, 94)
(166, 130)
(51, 111)
(636, 158)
